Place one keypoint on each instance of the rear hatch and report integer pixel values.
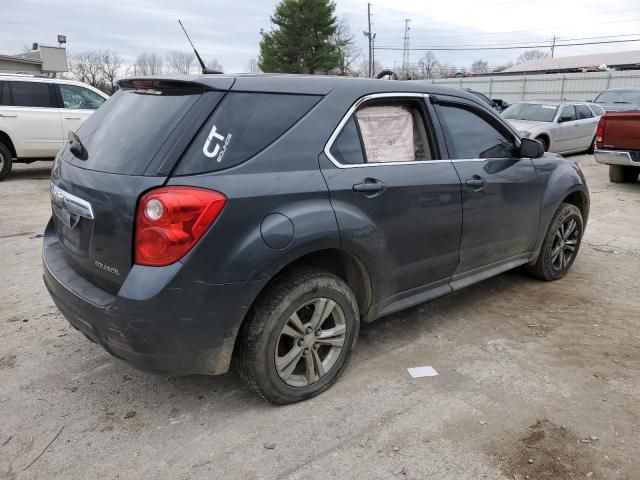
(128, 146)
(622, 131)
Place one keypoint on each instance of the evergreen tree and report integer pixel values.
(302, 39)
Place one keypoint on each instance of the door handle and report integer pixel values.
(72, 118)
(370, 186)
(8, 115)
(476, 182)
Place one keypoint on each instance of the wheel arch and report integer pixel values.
(546, 137)
(6, 140)
(340, 263)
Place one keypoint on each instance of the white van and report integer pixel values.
(36, 115)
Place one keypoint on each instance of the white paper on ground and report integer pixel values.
(419, 372)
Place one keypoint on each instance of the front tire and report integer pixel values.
(561, 244)
(298, 337)
(5, 161)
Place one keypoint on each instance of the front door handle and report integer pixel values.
(370, 186)
(72, 118)
(476, 182)
(8, 115)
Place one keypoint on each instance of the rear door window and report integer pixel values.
(383, 133)
(583, 112)
(32, 94)
(471, 136)
(243, 125)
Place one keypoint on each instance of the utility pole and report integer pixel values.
(368, 34)
(405, 54)
(553, 47)
(373, 55)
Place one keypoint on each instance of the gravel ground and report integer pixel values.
(537, 380)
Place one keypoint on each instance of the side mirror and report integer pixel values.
(530, 148)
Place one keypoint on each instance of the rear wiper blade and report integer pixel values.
(76, 147)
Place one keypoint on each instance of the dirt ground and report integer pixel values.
(537, 380)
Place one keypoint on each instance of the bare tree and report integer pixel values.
(252, 66)
(362, 68)
(427, 66)
(349, 52)
(448, 70)
(86, 67)
(179, 62)
(480, 66)
(215, 65)
(110, 64)
(148, 64)
(531, 55)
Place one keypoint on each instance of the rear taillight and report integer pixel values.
(171, 220)
(600, 133)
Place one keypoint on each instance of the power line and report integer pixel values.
(524, 47)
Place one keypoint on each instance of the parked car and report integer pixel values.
(262, 218)
(496, 104)
(36, 115)
(619, 99)
(562, 127)
(618, 145)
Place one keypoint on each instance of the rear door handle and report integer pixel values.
(72, 118)
(476, 182)
(370, 186)
(8, 115)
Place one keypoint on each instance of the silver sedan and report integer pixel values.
(563, 127)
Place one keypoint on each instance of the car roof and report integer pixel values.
(34, 78)
(315, 84)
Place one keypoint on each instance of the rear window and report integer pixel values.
(125, 133)
(243, 125)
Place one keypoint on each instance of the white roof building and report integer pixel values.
(629, 60)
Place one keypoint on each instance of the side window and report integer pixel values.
(597, 111)
(31, 94)
(5, 97)
(383, 133)
(347, 148)
(583, 112)
(393, 133)
(81, 98)
(567, 114)
(472, 136)
(243, 125)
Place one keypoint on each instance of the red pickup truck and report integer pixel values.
(618, 145)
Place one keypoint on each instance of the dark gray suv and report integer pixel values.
(260, 219)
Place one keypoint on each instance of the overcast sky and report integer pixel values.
(229, 30)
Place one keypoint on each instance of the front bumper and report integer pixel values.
(615, 157)
(163, 319)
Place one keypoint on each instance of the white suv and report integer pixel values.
(36, 115)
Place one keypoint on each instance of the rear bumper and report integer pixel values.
(163, 319)
(614, 157)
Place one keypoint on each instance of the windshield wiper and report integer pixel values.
(76, 147)
(621, 102)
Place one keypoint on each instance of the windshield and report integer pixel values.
(619, 96)
(534, 112)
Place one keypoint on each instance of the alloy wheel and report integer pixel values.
(310, 342)
(565, 243)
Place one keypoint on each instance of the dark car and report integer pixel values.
(262, 218)
(619, 99)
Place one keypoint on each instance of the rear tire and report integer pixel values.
(623, 174)
(285, 352)
(561, 244)
(5, 161)
(592, 147)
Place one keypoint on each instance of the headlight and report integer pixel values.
(525, 134)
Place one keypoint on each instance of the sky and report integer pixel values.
(229, 31)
